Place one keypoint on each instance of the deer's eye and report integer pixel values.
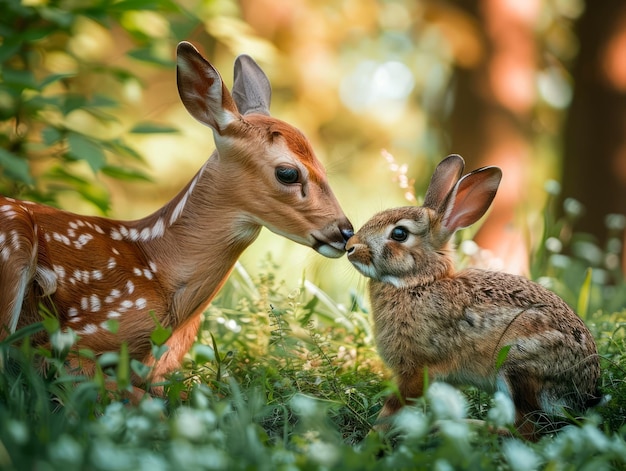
(287, 175)
(399, 234)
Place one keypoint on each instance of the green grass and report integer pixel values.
(288, 379)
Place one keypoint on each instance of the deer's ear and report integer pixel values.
(251, 89)
(202, 91)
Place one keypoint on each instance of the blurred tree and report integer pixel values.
(491, 123)
(594, 139)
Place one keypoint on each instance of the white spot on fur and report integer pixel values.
(113, 314)
(137, 271)
(94, 302)
(126, 304)
(148, 274)
(153, 266)
(146, 234)
(84, 303)
(82, 240)
(96, 275)
(158, 229)
(141, 303)
(65, 240)
(59, 270)
(130, 286)
(115, 251)
(111, 264)
(88, 329)
(72, 312)
(115, 235)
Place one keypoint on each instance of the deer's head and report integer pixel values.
(281, 183)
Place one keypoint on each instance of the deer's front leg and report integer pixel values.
(178, 345)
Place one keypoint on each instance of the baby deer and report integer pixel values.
(169, 265)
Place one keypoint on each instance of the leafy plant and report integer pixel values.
(59, 101)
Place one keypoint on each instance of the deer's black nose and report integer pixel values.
(347, 233)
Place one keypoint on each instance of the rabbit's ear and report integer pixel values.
(470, 198)
(446, 175)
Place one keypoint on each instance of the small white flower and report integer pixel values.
(411, 422)
(503, 411)
(62, 340)
(304, 405)
(324, 453)
(443, 465)
(520, 456)
(447, 402)
(188, 424)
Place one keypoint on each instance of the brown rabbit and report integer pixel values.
(429, 318)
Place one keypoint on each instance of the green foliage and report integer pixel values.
(59, 104)
(586, 275)
(278, 379)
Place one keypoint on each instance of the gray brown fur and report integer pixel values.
(427, 316)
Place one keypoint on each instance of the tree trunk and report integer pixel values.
(594, 164)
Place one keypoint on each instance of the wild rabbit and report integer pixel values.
(429, 318)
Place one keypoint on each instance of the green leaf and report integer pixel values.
(125, 173)
(146, 55)
(84, 148)
(51, 324)
(140, 369)
(8, 50)
(584, 295)
(24, 332)
(15, 167)
(160, 334)
(50, 135)
(22, 78)
(104, 101)
(118, 147)
(123, 367)
(53, 78)
(153, 128)
(112, 325)
(131, 5)
(62, 18)
(72, 102)
(502, 355)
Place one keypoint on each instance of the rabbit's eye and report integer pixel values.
(399, 234)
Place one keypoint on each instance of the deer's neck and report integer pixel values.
(195, 240)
